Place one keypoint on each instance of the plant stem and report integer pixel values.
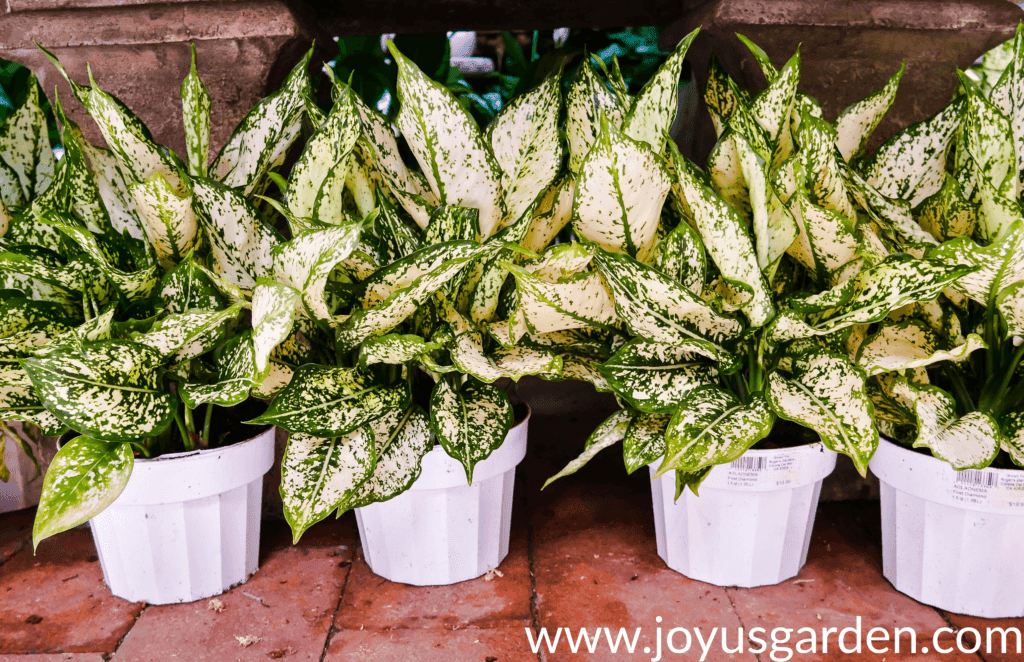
(141, 447)
(1008, 371)
(1010, 398)
(207, 423)
(186, 439)
(961, 390)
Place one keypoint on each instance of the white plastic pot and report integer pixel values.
(25, 484)
(952, 539)
(187, 526)
(443, 531)
(751, 524)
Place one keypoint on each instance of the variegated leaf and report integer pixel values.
(620, 190)
(971, 441)
(607, 433)
(655, 307)
(722, 95)
(113, 190)
(450, 223)
(399, 236)
(187, 286)
(167, 218)
(85, 477)
(273, 316)
(236, 375)
(195, 108)
(772, 107)
(912, 164)
(680, 256)
(318, 474)
(394, 349)
(260, 141)
(827, 394)
(856, 123)
(25, 147)
(187, 335)
(239, 240)
(110, 390)
(654, 109)
(402, 273)
(1011, 424)
(910, 344)
(644, 441)
(133, 285)
(712, 426)
(470, 422)
(653, 377)
(524, 139)
(1008, 96)
(553, 212)
(306, 262)
(574, 301)
(402, 439)
(586, 102)
(448, 145)
(827, 241)
(332, 401)
(992, 268)
(824, 166)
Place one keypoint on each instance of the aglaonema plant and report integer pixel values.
(947, 375)
(737, 305)
(148, 266)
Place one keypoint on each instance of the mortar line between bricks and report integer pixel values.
(332, 630)
(117, 647)
(24, 544)
(953, 627)
(739, 618)
(535, 611)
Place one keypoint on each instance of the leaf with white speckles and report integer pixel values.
(318, 474)
(471, 422)
(25, 145)
(524, 139)
(610, 431)
(856, 123)
(644, 441)
(85, 477)
(993, 268)
(910, 344)
(236, 375)
(574, 301)
(680, 255)
(654, 109)
(187, 286)
(654, 377)
(827, 394)
(711, 426)
(133, 285)
(273, 316)
(195, 109)
(167, 218)
(109, 390)
(620, 191)
(190, 334)
(827, 241)
(585, 102)
(971, 441)
(772, 107)
(331, 401)
(722, 95)
(402, 437)
(394, 349)
(450, 223)
(241, 244)
(260, 141)
(306, 262)
(553, 212)
(1011, 424)
(448, 145)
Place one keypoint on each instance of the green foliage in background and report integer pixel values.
(13, 90)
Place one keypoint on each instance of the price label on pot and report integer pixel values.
(763, 471)
(997, 489)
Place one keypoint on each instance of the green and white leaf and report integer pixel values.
(654, 109)
(711, 426)
(25, 152)
(318, 474)
(184, 336)
(827, 394)
(235, 378)
(306, 262)
(167, 218)
(195, 107)
(394, 349)
(85, 477)
(553, 212)
(654, 377)
(471, 422)
(612, 430)
(910, 344)
(572, 302)
(858, 121)
(585, 103)
(644, 441)
(239, 241)
(402, 439)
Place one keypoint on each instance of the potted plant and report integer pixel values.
(158, 260)
(735, 318)
(948, 388)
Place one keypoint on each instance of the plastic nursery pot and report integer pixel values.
(751, 524)
(441, 530)
(952, 539)
(187, 526)
(25, 484)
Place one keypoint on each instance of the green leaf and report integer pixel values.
(195, 108)
(607, 433)
(25, 148)
(236, 375)
(239, 240)
(711, 426)
(332, 401)
(133, 285)
(585, 102)
(188, 335)
(856, 123)
(827, 394)
(187, 286)
(644, 441)
(449, 146)
(402, 438)
(654, 109)
(319, 474)
(910, 344)
(524, 139)
(653, 377)
(85, 477)
(261, 140)
(620, 190)
(657, 308)
(394, 349)
(449, 223)
(971, 441)
(108, 390)
(471, 422)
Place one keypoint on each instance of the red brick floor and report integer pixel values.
(582, 555)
